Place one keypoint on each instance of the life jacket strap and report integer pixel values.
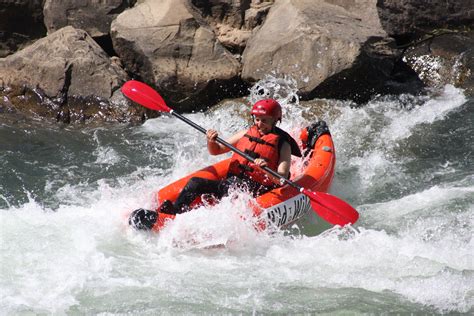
(252, 154)
(258, 140)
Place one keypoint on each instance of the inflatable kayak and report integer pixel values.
(284, 205)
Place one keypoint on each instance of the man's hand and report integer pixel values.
(211, 135)
(260, 162)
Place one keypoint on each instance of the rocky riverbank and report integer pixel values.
(67, 60)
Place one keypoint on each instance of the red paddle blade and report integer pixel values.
(331, 208)
(145, 95)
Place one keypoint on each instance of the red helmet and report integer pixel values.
(267, 107)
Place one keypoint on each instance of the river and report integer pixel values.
(405, 163)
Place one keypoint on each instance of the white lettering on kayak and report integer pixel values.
(288, 211)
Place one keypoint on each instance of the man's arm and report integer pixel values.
(215, 148)
(285, 160)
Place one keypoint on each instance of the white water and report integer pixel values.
(410, 252)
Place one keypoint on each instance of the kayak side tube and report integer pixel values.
(285, 205)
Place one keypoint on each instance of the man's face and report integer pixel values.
(264, 124)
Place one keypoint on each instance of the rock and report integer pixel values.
(402, 18)
(197, 52)
(164, 45)
(21, 23)
(445, 59)
(94, 17)
(68, 73)
(339, 43)
(437, 36)
(68, 62)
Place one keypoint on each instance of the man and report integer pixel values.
(269, 146)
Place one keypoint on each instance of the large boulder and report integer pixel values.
(67, 61)
(92, 16)
(65, 67)
(21, 22)
(404, 18)
(165, 45)
(338, 43)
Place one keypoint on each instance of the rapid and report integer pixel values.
(404, 162)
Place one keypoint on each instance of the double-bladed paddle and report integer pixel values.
(327, 206)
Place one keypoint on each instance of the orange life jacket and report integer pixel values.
(256, 146)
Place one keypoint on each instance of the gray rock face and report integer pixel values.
(163, 44)
(402, 17)
(68, 77)
(21, 22)
(92, 16)
(67, 62)
(313, 40)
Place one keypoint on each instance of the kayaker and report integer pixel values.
(271, 147)
(264, 141)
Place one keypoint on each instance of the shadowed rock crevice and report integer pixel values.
(105, 42)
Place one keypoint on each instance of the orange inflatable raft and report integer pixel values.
(281, 206)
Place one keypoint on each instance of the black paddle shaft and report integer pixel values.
(236, 150)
